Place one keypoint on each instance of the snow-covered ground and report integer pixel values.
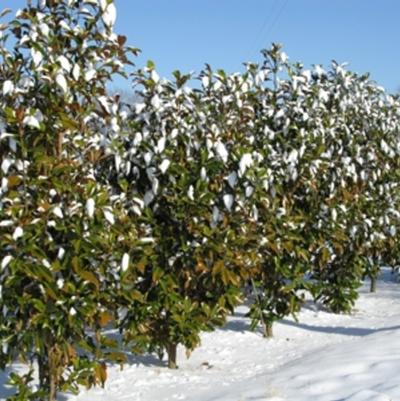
(322, 357)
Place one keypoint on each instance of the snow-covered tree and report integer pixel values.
(57, 227)
(184, 170)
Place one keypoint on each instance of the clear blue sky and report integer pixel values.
(185, 34)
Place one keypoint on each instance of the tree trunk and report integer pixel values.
(48, 374)
(47, 378)
(42, 371)
(267, 327)
(373, 284)
(171, 351)
(52, 387)
(267, 330)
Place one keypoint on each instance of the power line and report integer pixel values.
(274, 21)
(267, 19)
(272, 26)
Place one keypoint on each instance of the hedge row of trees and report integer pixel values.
(152, 217)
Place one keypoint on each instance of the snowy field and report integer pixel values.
(324, 357)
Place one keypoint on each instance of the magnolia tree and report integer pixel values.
(336, 259)
(282, 131)
(184, 170)
(381, 216)
(56, 221)
(360, 157)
